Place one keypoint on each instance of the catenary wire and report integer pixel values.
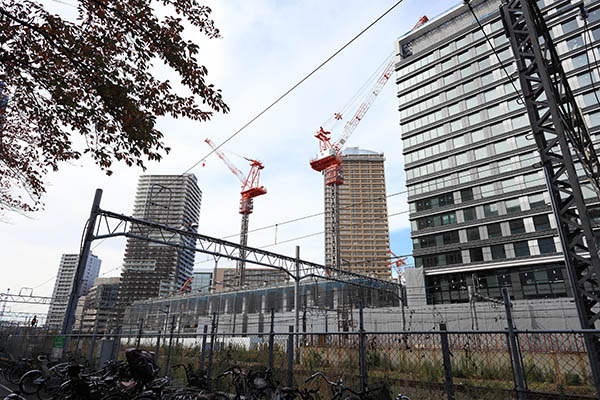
(520, 100)
(293, 87)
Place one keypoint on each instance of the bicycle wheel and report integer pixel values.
(14, 374)
(28, 384)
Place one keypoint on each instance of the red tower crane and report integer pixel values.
(329, 161)
(250, 190)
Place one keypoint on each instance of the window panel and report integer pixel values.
(472, 234)
(498, 252)
(470, 214)
(494, 230)
(490, 210)
(541, 222)
(476, 254)
(536, 200)
(521, 249)
(516, 226)
(512, 206)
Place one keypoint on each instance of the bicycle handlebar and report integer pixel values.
(322, 375)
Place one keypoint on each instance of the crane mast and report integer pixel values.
(250, 190)
(329, 161)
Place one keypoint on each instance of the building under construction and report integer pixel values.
(364, 231)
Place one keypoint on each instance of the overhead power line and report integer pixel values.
(234, 134)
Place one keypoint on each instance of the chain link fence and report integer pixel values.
(506, 364)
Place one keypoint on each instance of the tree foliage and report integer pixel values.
(94, 76)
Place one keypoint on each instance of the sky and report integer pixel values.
(266, 47)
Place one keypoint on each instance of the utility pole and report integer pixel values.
(83, 257)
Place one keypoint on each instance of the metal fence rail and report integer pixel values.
(507, 364)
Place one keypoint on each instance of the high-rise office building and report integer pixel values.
(64, 285)
(479, 208)
(153, 269)
(364, 230)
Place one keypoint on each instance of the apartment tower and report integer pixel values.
(64, 284)
(479, 208)
(364, 230)
(153, 269)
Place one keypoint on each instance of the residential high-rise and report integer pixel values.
(152, 269)
(479, 208)
(99, 306)
(364, 230)
(64, 285)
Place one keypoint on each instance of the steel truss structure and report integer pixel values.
(25, 299)
(560, 130)
(105, 224)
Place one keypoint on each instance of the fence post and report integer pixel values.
(157, 348)
(447, 362)
(93, 343)
(521, 390)
(362, 353)
(116, 344)
(271, 338)
(202, 355)
(213, 330)
(290, 357)
(170, 345)
(139, 336)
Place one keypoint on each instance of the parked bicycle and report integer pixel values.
(339, 391)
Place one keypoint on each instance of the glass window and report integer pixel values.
(497, 129)
(459, 142)
(569, 26)
(490, 95)
(483, 64)
(474, 118)
(501, 147)
(487, 190)
(472, 234)
(516, 226)
(466, 194)
(448, 80)
(476, 136)
(579, 61)
(446, 65)
(462, 42)
(498, 252)
(480, 153)
(482, 48)
(494, 111)
(445, 50)
(487, 79)
(575, 43)
(505, 166)
(469, 86)
(462, 158)
(490, 210)
(536, 200)
(521, 249)
(476, 254)
(494, 230)
(456, 125)
(464, 176)
(452, 93)
(464, 56)
(541, 222)
(484, 171)
(454, 109)
(512, 206)
(470, 214)
(546, 245)
(466, 71)
(472, 102)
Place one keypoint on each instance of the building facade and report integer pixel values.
(152, 269)
(98, 308)
(64, 284)
(479, 208)
(202, 281)
(364, 230)
(255, 277)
